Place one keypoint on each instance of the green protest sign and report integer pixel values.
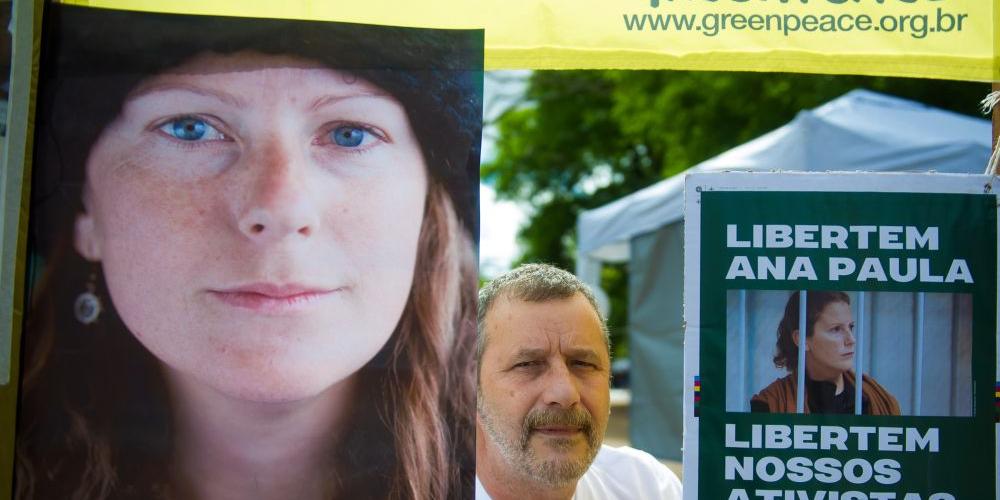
(890, 393)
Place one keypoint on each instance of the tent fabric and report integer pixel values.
(656, 331)
(861, 130)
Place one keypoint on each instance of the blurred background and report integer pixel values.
(564, 147)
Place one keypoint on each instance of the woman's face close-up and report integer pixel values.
(831, 346)
(257, 219)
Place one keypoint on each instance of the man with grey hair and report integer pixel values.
(544, 397)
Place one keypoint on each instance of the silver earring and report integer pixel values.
(88, 305)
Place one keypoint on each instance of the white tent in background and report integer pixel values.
(861, 130)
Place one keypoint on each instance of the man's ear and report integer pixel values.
(86, 239)
(795, 339)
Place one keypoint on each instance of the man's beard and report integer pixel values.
(519, 454)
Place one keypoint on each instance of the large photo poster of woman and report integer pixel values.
(251, 261)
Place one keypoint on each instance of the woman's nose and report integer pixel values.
(850, 339)
(280, 202)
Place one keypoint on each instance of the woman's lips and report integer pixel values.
(268, 298)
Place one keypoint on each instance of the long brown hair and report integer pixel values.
(427, 378)
(94, 413)
(430, 395)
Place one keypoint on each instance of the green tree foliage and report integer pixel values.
(581, 139)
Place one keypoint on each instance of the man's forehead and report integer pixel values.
(513, 324)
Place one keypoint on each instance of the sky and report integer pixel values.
(499, 223)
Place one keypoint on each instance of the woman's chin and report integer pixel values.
(270, 395)
(271, 384)
(846, 366)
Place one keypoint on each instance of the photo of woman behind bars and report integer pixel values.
(831, 382)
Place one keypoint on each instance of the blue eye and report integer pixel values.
(348, 136)
(190, 129)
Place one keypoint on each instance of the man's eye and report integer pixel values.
(191, 129)
(584, 364)
(527, 364)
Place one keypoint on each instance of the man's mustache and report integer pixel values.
(551, 417)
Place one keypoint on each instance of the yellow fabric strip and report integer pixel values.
(952, 39)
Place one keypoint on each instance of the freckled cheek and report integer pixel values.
(148, 216)
(381, 219)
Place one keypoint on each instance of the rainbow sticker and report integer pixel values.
(996, 404)
(697, 394)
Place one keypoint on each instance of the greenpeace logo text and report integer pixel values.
(917, 26)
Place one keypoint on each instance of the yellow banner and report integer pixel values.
(952, 39)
